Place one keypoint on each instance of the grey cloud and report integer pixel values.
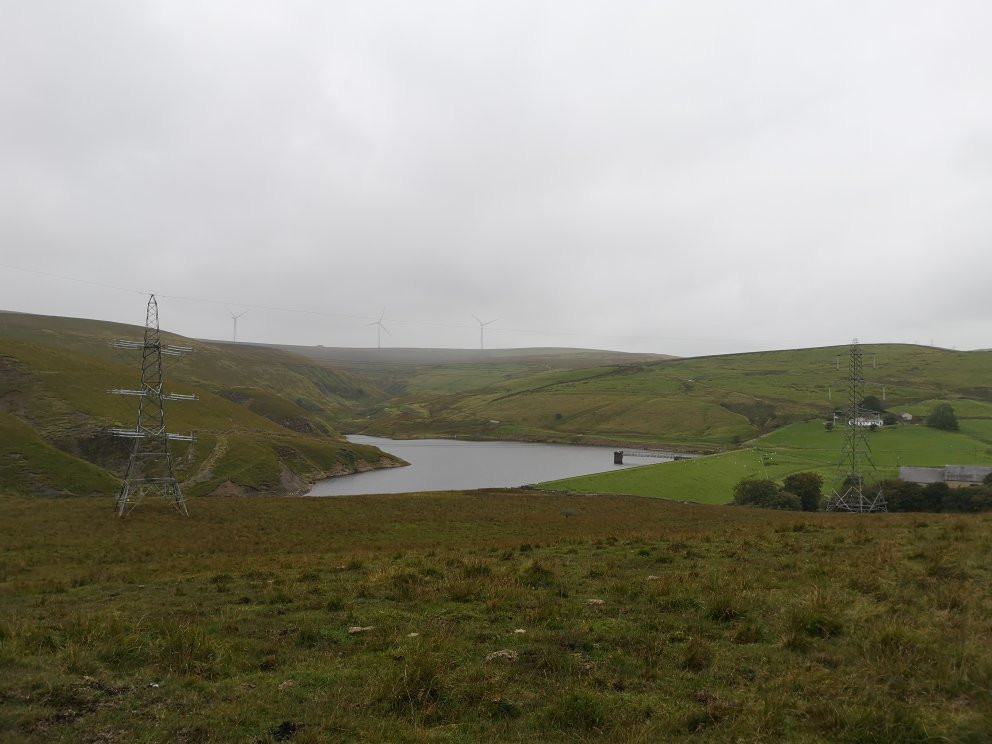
(712, 176)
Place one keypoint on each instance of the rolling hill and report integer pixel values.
(269, 418)
(265, 420)
(703, 404)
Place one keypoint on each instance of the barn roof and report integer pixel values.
(947, 474)
(966, 473)
(922, 475)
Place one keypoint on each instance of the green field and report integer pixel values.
(794, 448)
(490, 616)
(703, 404)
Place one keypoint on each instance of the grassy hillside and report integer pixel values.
(795, 448)
(491, 616)
(414, 358)
(319, 394)
(422, 385)
(54, 371)
(702, 404)
(264, 421)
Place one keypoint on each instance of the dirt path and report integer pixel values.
(206, 468)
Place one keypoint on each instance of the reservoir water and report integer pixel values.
(453, 464)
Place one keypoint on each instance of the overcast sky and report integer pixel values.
(677, 177)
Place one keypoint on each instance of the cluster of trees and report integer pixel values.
(942, 417)
(798, 492)
(804, 492)
(901, 496)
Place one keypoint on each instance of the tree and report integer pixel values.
(970, 499)
(872, 403)
(785, 501)
(942, 417)
(764, 494)
(902, 496)
(752, 492)
(807, 486)
(933, 496)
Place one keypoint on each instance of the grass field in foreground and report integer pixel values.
(794, 448)
(510, 616)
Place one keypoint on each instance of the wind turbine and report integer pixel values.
(379, 329)
(482, 331)
(235, 319)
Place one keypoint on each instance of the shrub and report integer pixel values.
(753, 492)
(785, 501)
(807, 486)
(933, 496)
(764, 494)
(901, 496)
(872, 403)
(942, 417)
(971, 499)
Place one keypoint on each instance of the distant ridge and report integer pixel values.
(554, 356)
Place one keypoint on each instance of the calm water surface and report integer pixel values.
(452, 464)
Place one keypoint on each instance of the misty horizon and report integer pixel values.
(664, 179)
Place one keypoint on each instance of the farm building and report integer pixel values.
(872, 419)
(952, 475)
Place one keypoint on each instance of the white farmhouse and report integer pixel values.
(871, 419)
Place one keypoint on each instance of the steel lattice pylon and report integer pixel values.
(850, 493)
(149, 468)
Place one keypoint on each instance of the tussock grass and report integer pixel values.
(398, 618)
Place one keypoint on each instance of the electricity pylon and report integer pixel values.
(149, 468)
(850, 492)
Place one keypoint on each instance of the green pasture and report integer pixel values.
(795, 448)
(700, 404)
